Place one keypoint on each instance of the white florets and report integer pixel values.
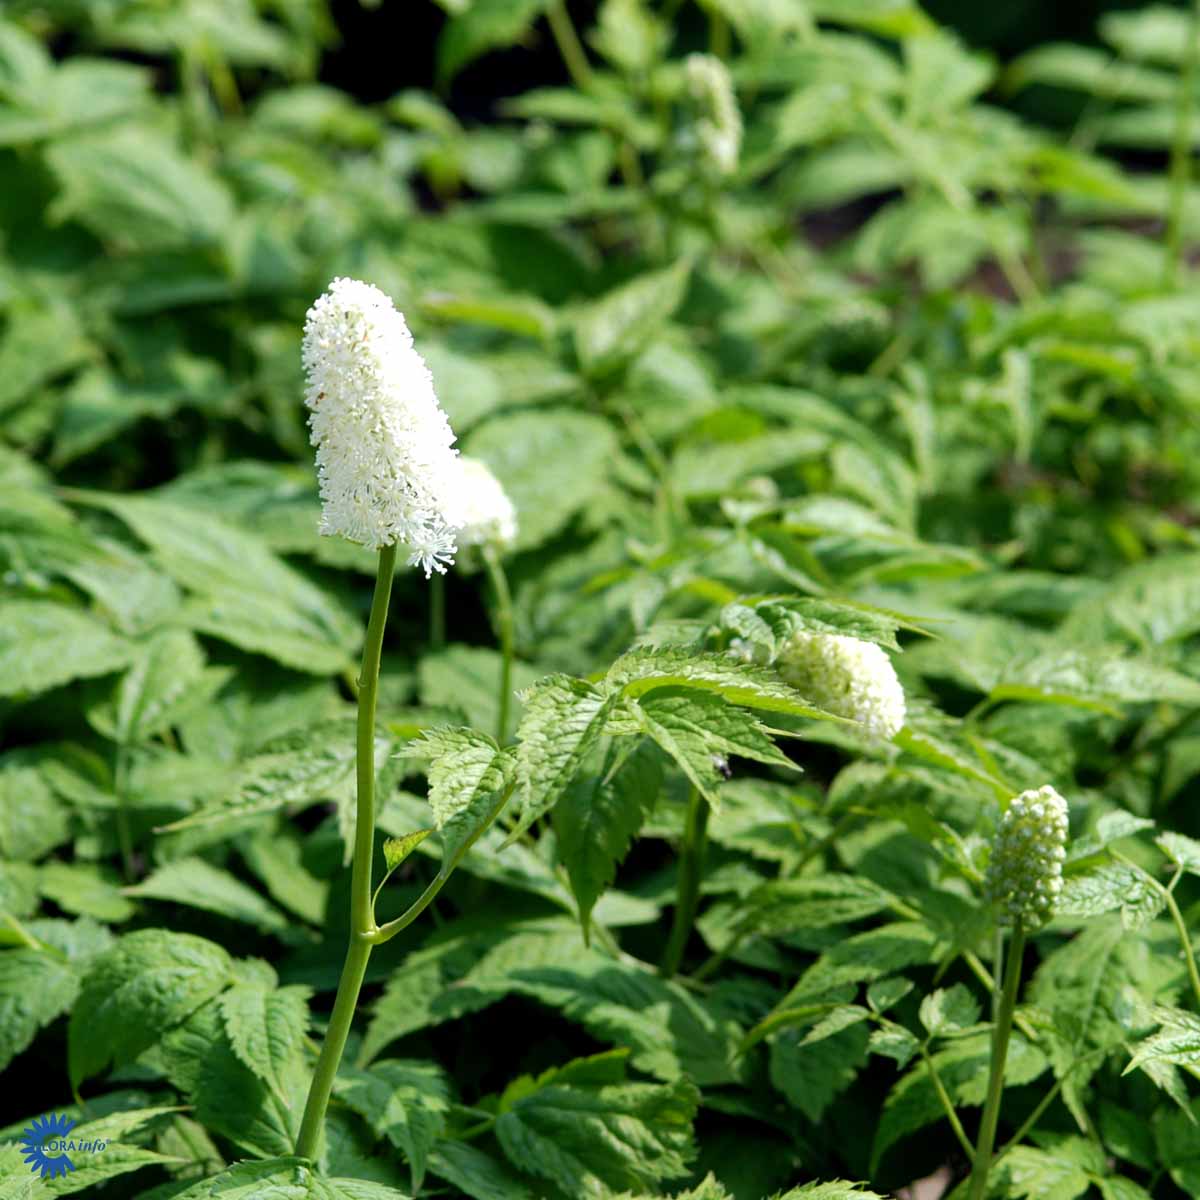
(489, 516)
(1024, 875)
(385, 459)
(719, 129)
(846, 676)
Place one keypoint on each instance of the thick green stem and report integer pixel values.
(691, 869)
(1185, 939)
(947, 1104)
(1001, 1033)
(124, 833)
(385, 933)
(569, 45)
(362, 916)
(353, 971)
(504, 628)
(437, 612)
(1181, 154)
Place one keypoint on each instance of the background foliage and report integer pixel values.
(930, 349)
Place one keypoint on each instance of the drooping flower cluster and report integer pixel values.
(489, 517)
(1024, 875)
(387, 468)
(719, 129)
(846, 676)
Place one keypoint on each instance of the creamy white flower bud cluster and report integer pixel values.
(386, 464)
(1024, 875)
(720, 128)
(488, 514)
(846, 676)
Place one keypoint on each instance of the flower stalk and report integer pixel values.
(504, 629)
(362, 915)
(1001, 1033)
(691, 870)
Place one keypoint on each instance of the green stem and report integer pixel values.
(124, 833)
(569, 45)
(718, 34)
(1184, 939)
(504, 628)
(739, 936)
(385, 933)
(1168, 896)
(437, 612)
(362, 916)
(1181, 154)
(947, 1105)
(998, 975)
(1000, 1035)
(1044, 1103)
(691, 868)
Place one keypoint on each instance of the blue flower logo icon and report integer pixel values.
(33, 1145)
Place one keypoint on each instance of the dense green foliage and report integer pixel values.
(967, 430)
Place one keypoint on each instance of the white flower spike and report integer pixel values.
(846, 676)
(1024, 875)
(387, 468)
(720, 128)
(489, 515)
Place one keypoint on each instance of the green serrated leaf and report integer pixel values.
(837, 1189)
(166, 677)
(612, 329)
(698, 729)
(948, 1010)
(642, 671)
(397, 849)
(405, 1101)
(298, 768)
(1181, 850)
(86, 889)
(35, 987)
(198, 883)
(1112, 886)
(463, 764)
(132, 994)
(43, 645)
(596, 820)
(485, 25)
(241, 592)
(283, 1178)
(563, 721)
(585, 1129)
(266, 1026)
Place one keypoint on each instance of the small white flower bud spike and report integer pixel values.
(489, 516)
(387, 468)
(1024, 876)
(719, 129)
(845, 676)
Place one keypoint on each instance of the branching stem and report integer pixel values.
(691, 869)
(1001, 1033)
(362, 916)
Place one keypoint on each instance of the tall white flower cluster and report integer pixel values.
(489, 518)
(719, 129)
(846, 676)
(1024, 875)
(387, 468)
